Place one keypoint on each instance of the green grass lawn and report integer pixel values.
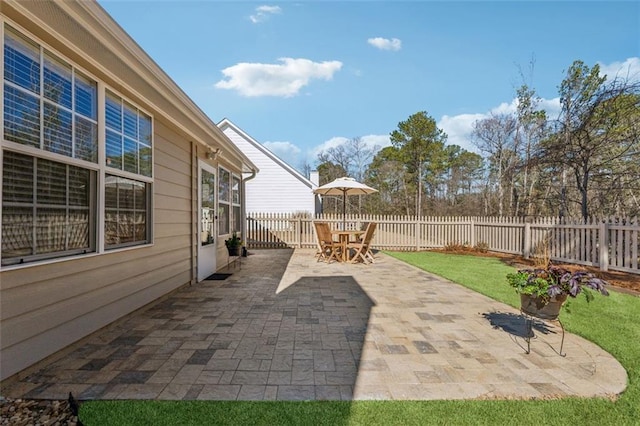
(611, 322)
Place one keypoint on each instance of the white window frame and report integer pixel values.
(97, 234)
(224, 202)
(236, 205)
(121, 173)
(59, 231)
(210, 229)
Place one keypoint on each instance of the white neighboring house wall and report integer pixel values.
(278, 188)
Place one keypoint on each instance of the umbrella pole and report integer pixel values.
(344, 210)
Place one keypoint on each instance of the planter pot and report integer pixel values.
(233, 251)
(538, 308)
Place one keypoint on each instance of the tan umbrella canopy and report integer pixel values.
(344, 186)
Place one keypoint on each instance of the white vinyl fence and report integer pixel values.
(607, 243)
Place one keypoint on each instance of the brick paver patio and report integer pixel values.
(288, 328)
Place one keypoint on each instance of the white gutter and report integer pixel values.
(254, 172)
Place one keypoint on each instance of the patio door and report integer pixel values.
(207, 221)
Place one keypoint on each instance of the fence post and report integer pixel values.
(473, 232)
(526, 252)
(604, 246)
(299, 232)
(418, 227)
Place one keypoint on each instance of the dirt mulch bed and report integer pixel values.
(619, 281)
(27, 412)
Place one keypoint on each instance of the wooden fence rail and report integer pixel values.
(607, 243)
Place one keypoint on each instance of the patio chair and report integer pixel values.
(362, 247)
(328, 248)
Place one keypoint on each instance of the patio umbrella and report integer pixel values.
(344, 186)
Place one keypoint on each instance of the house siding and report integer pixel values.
(46, 306)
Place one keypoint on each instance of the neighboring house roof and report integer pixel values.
(295, 191)
(123, 62)
(226, 123)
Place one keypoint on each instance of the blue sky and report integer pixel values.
(300, 76)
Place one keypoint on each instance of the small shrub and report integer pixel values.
(542, 253)
(481, 247)
(456, 246)
(234, 241)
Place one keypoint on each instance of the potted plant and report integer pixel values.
(543, 291)
(233, 244)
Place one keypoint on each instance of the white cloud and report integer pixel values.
(459, 127)
(264, 12)
(281, 147)
(506, 108)
(385, 43)
(551, 106)
(379, 141)
(371, 141)
(627, 70)
(331, 143)
(283, 80)
(286, 151)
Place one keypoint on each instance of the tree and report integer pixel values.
(420, 144)
(328, 172)
(338, 157)
(598, 132)
(495, 136)
(353, 156)
(387, 174)
(531, 129)
(615, 170)
(465, 170)
(360, 155)
(350, 159)
(305, 169)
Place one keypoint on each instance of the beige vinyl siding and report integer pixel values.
(46, 307)
(59, 334)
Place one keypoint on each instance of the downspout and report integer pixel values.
(244, 204)
(194, 213)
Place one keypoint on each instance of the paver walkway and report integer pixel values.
(285, 327)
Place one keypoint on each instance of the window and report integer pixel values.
(50, 193)
(47, 103)
(126, 211)
(229, 198)
(128, 149)
(224, 199)
(48, 209)
(208, 207)
(128, 137)
(48, 200)
(237, 213)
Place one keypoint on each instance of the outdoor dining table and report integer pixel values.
(343, 238)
